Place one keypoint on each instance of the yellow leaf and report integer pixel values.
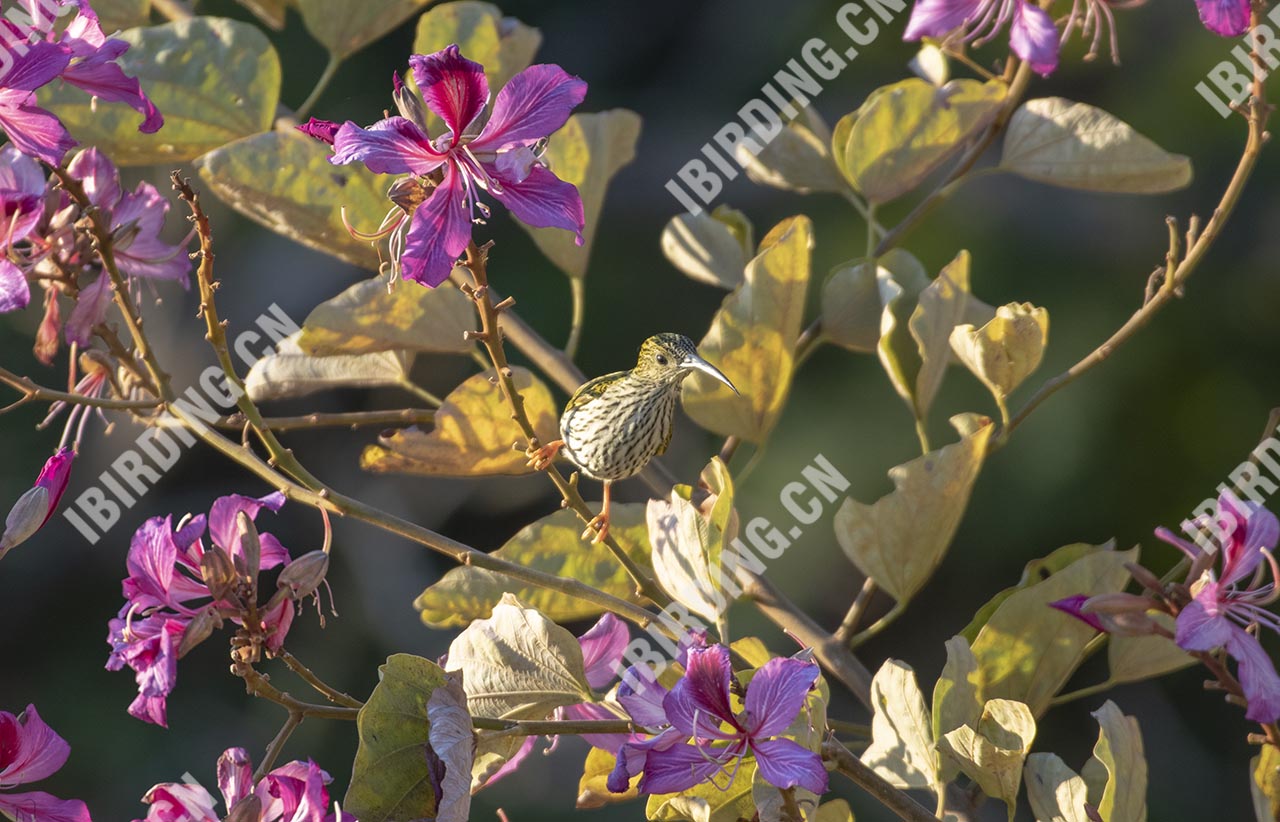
(1056, 793)
(1133, 658)
(899, 540)
(472, 434)
(554, 545)
(902, 748)
(1118, 754)
(797, 159)
(992, 753)
(906, 131)
(711, 248)
(366, 318)
(752, 338)
(587, 152)
(344, 27)
(1266, 783)
(1005, 351)
(592, 789)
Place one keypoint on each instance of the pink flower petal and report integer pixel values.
(33, 131)
(543, 200)
(452, 86)
(1034, 37)
(15, 293)
(439, 233)
(934, 18)
(1258, 677)
(226, 534)
(532, 105)
(107, 81)
(786, 764)
(29, 749)
(699, 702)
(1229, 18)
(100, 177)
(776, 695)
(391, 146)
(682, 767)
(235, 775)
(40, 806)
(90, 310)
(602, 648)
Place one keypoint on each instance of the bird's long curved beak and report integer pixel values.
(699, 364)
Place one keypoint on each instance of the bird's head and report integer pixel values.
(669, 358)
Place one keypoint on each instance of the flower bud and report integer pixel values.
(199, 629)
(303, 576)
(49, 334)
(1116, 604)
(25, 518)
(408, 193)
(1129, 624)
(250, 559)
(217, 572)
(408, 103)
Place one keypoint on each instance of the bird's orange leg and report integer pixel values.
(540, 459)
(600, 523)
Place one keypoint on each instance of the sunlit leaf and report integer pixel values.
(593, 792)
(1120, 755)
(992, 753)
(940, 307)
(284, 181)
(1134, 658)
(930, 63)
(289, 372)
(902, 749)
(1035, 571)
(1027, 650)
(1056, 793)
(797, 159)
(554, 545)
(1005, 351)
(730, 801)
(899, 540)
(754, 652)
(687, 546)
(215, 80)
(1265, 784)
(472, 434)
(116, 15)
(711, 248)
(391, 777)
(752, 338)
(517, 664)
(1074, 145)
(906, 131)
(366, 318)
(344, 27)
(503, 45)
(587, 152)
(836, 811)
(956, 697)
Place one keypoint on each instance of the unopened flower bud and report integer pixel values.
(408, 193)
(1129, 624)
(25, 518)
(217, 572)
(49, 334)
(303, 576)
(199, 629)
(1113, 604)
(408, 103)
(1145, 578)
(250, 548)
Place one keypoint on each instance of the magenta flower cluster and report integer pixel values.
(29, 752)
(80, 54)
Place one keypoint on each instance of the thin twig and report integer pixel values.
(329, 692)
(849, 625)
(903, 806)
(32, 392)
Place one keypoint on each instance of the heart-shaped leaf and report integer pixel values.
(901, 749)
(992, 754)
(711, 248)
(344, 27)
(214, 80)
(370, 317)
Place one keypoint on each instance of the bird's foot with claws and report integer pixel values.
(540, 459)
(599, 526)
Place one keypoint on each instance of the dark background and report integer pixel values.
(1133, 445)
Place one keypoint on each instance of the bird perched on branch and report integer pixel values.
(613, 425)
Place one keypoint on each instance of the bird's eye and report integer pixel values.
(662, 359)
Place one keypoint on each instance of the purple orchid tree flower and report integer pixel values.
(498, 158)
(31, 129)
(294, 792)
(22, 189)
(31, 751)
(165, 594)
(92, 67)
(1229, 18)
(1032, 33)
(1224, 604)
(699, 708)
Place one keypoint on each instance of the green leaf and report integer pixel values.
(710, 248)
(587, 152)
(390, 779)
(1134, 658)
(517, 664)
(906, 131)
(1119, 752)
(752, 339)
(900, 539)
(116, 15)
(593, 791)
(1037, 570)
(1074, 145)
(992, 754)
(472, 434)
(367, 318)
(289, 372)
(730, 802)
(1005, 351)
(902, 749)
(1056, 793)
(1026, 650)
(687, 545)
(554, 545)
(1265, 785)
(797, 159)
(344, 27)
(284, 181)
(940, 307)
(215, 81)
(503, 45)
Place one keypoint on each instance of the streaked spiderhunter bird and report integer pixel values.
(613, 425)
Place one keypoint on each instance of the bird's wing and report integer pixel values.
(592, 389)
